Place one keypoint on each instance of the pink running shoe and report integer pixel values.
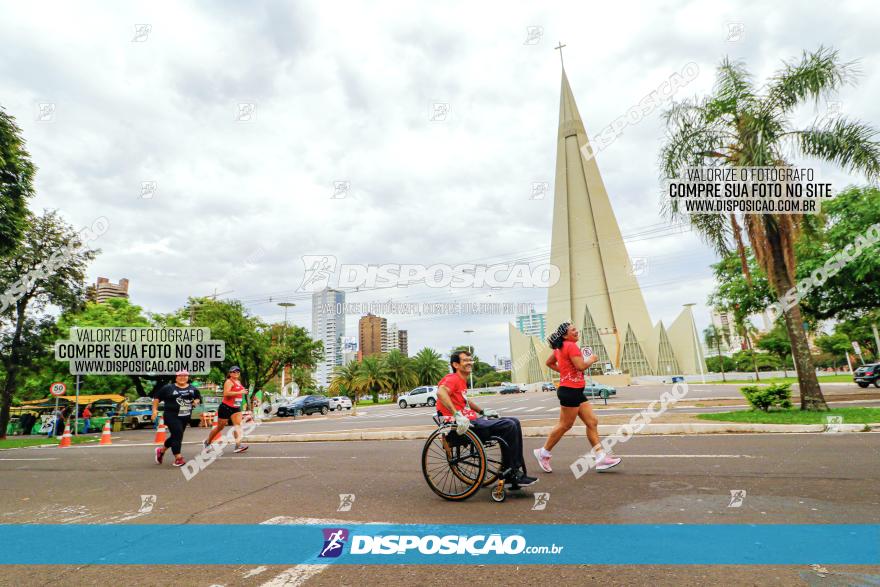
(607, 462)
(179, 462)
(543, 462)
(160, 452)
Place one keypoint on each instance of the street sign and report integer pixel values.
(57, 389)
(857, 348)
(587, 352)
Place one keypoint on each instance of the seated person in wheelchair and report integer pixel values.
(455, 407)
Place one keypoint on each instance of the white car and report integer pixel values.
(339, 402)
(420, 396)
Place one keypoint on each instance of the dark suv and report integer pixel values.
(867, 374)
(305, 406)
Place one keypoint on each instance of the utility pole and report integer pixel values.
(284, 305)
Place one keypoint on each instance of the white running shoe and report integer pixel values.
(607, 462)
(543, 462)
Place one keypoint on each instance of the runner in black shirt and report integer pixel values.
(179, 398)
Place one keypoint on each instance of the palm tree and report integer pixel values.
(372, 377)
(400, 372)
(429, 366)
(740, 125)
(344, 382)
(714, 337)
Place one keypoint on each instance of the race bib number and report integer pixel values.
(237, 402)
(184, 407)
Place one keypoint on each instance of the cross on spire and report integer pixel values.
(559, 48)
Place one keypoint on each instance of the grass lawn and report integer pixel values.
(379, 403)
(822, 379)
(795, 416)
(22, 441)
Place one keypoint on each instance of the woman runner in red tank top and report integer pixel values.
(230, 409)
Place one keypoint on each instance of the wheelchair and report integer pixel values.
(456, 466)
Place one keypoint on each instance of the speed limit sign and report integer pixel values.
(57, 389)
(587, 352)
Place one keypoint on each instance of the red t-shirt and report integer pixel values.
(235, 401)
(458, 395)
(87, 413)
(569, 376)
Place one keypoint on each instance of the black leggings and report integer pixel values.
(510, 431)
(176, 426)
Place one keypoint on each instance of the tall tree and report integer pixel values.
(777, 344)
(47, 268)
(429, 366)
(400, 373)
(740, 125)
(372, 377)
(714, 337)
(16, 184)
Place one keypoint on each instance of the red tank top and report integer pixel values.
(235, 401)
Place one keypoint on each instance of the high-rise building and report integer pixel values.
(103, 290)
(597, 289)
(403, 342)
(391, 340)
(372, 335)
(533, 324)
(731, 341)
(328, 326)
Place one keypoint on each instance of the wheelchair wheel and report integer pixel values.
(454, 465)
(494, 462)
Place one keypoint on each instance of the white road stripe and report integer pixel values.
(295, 576)
(44, 459)
(249, 457)
(686, 456)
(534, 409)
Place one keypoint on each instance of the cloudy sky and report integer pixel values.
(113, 95)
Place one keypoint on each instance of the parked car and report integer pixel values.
(305, 406)
(867, 374)
(511, 388)
(339, 403)
(420, 396)
(599, 390)
(548, 386)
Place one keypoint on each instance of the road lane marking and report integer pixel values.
(40, 459)
(686, 456)
(295, 576)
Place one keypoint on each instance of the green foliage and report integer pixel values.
(401, 375)
(492, 378)
(429, 366)
(16, 184)
(722, 364)
(764, 361)
(775, 395)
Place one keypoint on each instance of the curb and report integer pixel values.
(604, 430)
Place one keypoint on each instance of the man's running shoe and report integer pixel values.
(160, 453)
(607, 462)
(543, 462)
(240, 448)
(525, 481)
(179, 462)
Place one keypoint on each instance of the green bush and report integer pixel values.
(776, 395)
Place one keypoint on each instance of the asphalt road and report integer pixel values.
(788, 478)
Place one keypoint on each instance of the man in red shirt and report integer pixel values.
(454, 405)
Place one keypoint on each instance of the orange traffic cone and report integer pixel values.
(160, 432)
(65, 438)
(106, 438)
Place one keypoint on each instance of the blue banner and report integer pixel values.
(420, 544)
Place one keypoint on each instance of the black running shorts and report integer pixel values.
(570, 397)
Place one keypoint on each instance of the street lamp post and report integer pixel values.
(472, 356)
(284, 305)
(697, 341)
